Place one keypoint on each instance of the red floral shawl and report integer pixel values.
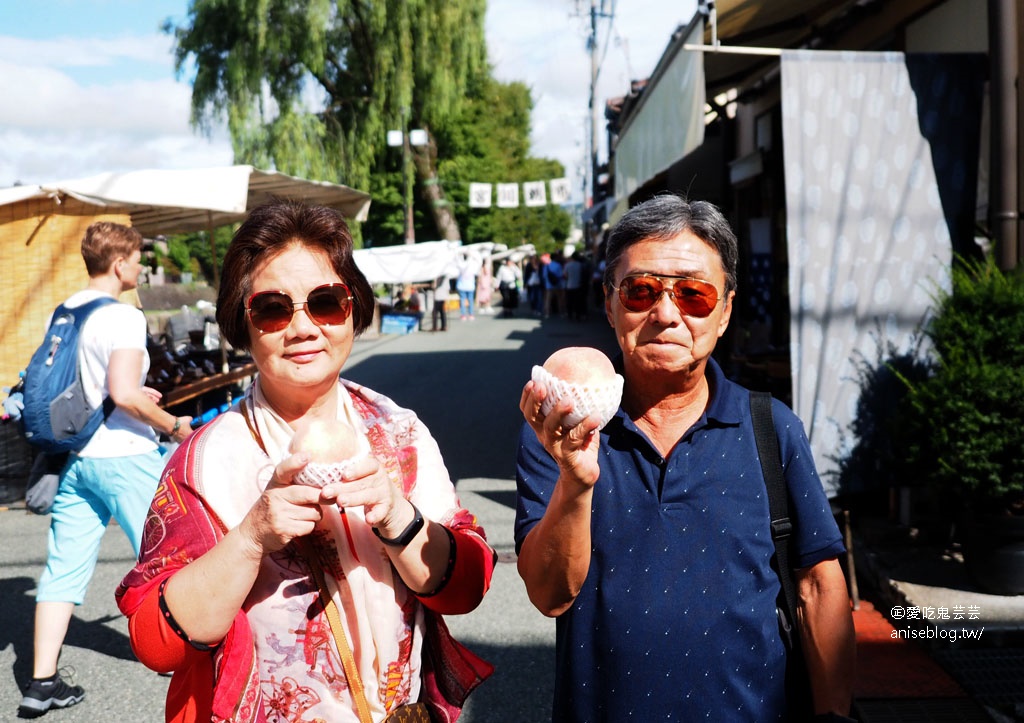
(180, 528)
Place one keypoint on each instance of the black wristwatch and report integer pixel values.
(406, 536)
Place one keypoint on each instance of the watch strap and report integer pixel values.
(406, 536)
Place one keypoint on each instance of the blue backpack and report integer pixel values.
(57, 418)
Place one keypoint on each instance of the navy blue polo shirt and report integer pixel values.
(676, 620)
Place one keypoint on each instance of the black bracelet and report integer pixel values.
(174, 623)
(406, 536)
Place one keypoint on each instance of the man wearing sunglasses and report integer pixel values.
(650, 539)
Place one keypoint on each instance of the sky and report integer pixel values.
(89, 87)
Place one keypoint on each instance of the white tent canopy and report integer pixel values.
(179, 201)
(408, 263)
(425, 261)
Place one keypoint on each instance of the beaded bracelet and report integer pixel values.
(174, 623)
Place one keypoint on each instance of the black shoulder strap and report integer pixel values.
(778, 504)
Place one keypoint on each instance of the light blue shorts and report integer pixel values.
(92, 490)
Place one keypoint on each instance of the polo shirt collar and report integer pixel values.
(726, 408)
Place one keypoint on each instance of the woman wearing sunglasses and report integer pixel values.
(275, 600)
(653, 533)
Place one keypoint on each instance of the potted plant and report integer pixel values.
(965, 420)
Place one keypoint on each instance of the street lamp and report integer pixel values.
(415, 137)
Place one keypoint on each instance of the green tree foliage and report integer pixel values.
(311, 87)
(179, 253)
(491, 143)
(197, 246)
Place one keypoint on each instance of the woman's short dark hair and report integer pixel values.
(666, 216)
(267, 231)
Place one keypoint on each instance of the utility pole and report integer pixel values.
(1004, 209)
(595, 70)
(592, 46)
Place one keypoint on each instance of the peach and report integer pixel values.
(330, 445)
(325, 441)
(586, 376)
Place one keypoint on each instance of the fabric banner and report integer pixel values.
(534, 193)
(561, 191)
(508, 195)
(479, 195)
(877, 190)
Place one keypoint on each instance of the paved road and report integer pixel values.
(465, 384)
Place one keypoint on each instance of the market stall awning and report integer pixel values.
(179, 201)
(408, 263)
(832, 24)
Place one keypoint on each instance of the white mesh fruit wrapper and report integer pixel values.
(320, 474)
(593, 399)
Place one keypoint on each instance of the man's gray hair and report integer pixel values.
(666, 216)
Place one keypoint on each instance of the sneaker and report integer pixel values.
(41, 695)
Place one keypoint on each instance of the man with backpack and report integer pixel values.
(682, 590)
(115, 473)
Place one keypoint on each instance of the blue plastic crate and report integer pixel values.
(399, 323)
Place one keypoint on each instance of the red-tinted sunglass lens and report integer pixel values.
(694, 297)
(640, 293)
(329, 305)
(270, 311)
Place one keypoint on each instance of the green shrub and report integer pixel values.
(965, 422)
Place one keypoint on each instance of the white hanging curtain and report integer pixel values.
(880, 153)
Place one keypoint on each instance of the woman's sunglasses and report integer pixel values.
(693, 297)
(327, 305)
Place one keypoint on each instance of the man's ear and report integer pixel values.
(723, 323)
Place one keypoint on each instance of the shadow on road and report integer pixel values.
(17, 613)
(470, 399)
(521, 688)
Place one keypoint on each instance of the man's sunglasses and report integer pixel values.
(693, 297)
(327, 305)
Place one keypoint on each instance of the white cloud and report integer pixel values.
(79, 106)
(71, 52)
(544, 44)
(62, 117)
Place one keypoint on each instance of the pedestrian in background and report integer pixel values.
(534, 281)
(465, 285)
(576, 286)
(554, 285)
(650, 539)
(485, 288)
(439, 310)
(508, 279)
(116, 472)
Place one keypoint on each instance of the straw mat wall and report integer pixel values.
(41, 264)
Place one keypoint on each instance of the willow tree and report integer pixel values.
(311, 87)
